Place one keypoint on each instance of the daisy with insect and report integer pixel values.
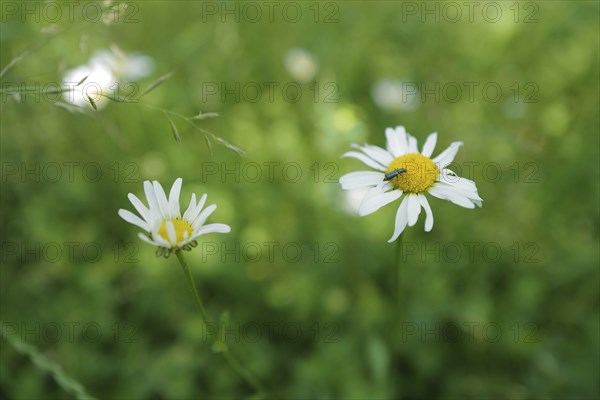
(401, 170)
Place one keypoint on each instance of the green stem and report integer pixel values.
(190, 278)
(233, 362)
(397, 271)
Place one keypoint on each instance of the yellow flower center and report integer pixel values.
(421, 173)
(181, 226)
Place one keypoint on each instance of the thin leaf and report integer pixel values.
(55, 91)
(205, 115)
(83, 80)
(13, 62)
(45, 365)
(208, 144)
(231, 147)
(92, 102)
(174, 129)
(120, 99)
(156, 83)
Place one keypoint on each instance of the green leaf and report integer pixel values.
(231, 147)
(13, 62)
(174, 129)
(156, 83)
(205, 115)
(92, 102)
(208, 144)
(83, 80)
(45, 365)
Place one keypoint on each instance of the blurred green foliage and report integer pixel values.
(538, 299)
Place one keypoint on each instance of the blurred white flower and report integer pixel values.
(163, 223)
(394, 95)
(99, 81)
(401, 169)
(105, 71)
(132, 66)
(301, 65)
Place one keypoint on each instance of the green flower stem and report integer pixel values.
(190, 278)
(397, 271)
(233, 362)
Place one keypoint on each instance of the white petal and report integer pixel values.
(452, 179)
(134, 219)
(171, 232)
(201, 219)
(462, 185)
(358, 179)
(447, 156)
(152, 202)
(381, 187)
(191, 207)
(174, 197)
(212, 228)
(429, 145)
(201, 201)
(367, 160)
(446, 193)
(157, 237)
(468, 193)
(403, 138)
(401, 220)
(383, 156)
(413, 209)
(194, 213)
(375, 202)
(393, 142)
(139, 206)
(412, 144)
(428, 212)
(448, 176)
(147, 239)
(161, 199)
(376, 153)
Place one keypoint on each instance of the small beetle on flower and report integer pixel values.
(401, 169)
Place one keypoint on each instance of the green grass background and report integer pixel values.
(543, 297)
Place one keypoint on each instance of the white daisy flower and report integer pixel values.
(163, 223)
(401, 169)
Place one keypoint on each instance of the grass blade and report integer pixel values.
(45, 365)
(205, 115)
(174, 129)
(92, 102)
(156, 83)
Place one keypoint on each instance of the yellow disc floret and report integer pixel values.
(181, 226)
(421, 173)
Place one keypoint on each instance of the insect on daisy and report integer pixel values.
(163, 223)
(402, 170)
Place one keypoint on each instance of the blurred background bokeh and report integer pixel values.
(497, 302)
